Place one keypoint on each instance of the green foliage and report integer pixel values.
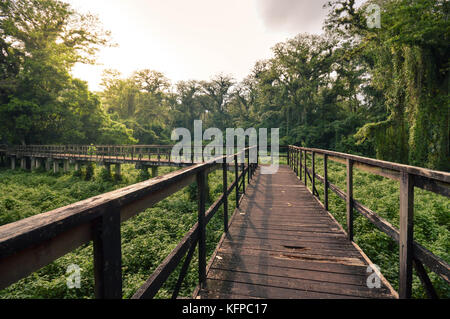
(146, 238)
(41, 40)
(377, 92)
(407, 61)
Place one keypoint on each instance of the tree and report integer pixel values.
(407, 60)
(141, 102)
(217, 94)
(41, 41)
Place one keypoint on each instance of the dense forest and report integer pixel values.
(380, 92)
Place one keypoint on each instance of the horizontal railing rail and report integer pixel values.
(131, 153)
(411, 254)
(29, 244)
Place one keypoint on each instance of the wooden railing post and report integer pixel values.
(236, 177)
(289, 156)
(406, 234)
(325, 183)
(350, 199)
(243, 177)
(313, 156)
(301, 165)
(296, 162)
(201, 186)
(225, 195)
(248, 167)
(306, 172)
(108, 255)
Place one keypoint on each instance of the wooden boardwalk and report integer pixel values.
(283, 244)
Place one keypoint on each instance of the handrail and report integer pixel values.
(157, 153)
(31, 243)
(411, 253)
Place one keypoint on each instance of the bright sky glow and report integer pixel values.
(194, 39)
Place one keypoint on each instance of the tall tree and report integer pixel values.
(407, 61)
(41, 40)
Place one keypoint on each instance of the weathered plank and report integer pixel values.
(283, 244)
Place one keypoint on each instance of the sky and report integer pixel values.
(194, 39)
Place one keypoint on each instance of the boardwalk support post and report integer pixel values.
(33, 164)
(117, 174)
(66, 166)
(154, 171)
(406, 234)
(349, 199)
(55, 166)
(201, 186)
(108, 255)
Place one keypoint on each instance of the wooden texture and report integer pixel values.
(201, 186)
(406, 235)
(349, 200)
(107, 255)
(283, 244)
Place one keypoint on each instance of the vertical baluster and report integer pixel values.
(225, 195)
(236, 177)
(289, 156)
(313, 157)
(243, 176)
(350, 199)
(325, 176)
(301, 166)
(406, 234)
(107, 255)
(306, 177)
(201, 185)
(248, 167)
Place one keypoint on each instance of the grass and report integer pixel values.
(431, 221)
(146, 239)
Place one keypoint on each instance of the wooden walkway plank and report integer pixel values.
(283, 244)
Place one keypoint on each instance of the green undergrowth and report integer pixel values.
(146, 238)
(381, 195)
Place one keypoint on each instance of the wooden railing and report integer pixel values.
(29, 244)
(95, 152)
(156, 153)
(411, 253)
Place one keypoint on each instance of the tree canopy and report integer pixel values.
(365, 90)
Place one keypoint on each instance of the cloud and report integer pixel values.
(293, 15)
